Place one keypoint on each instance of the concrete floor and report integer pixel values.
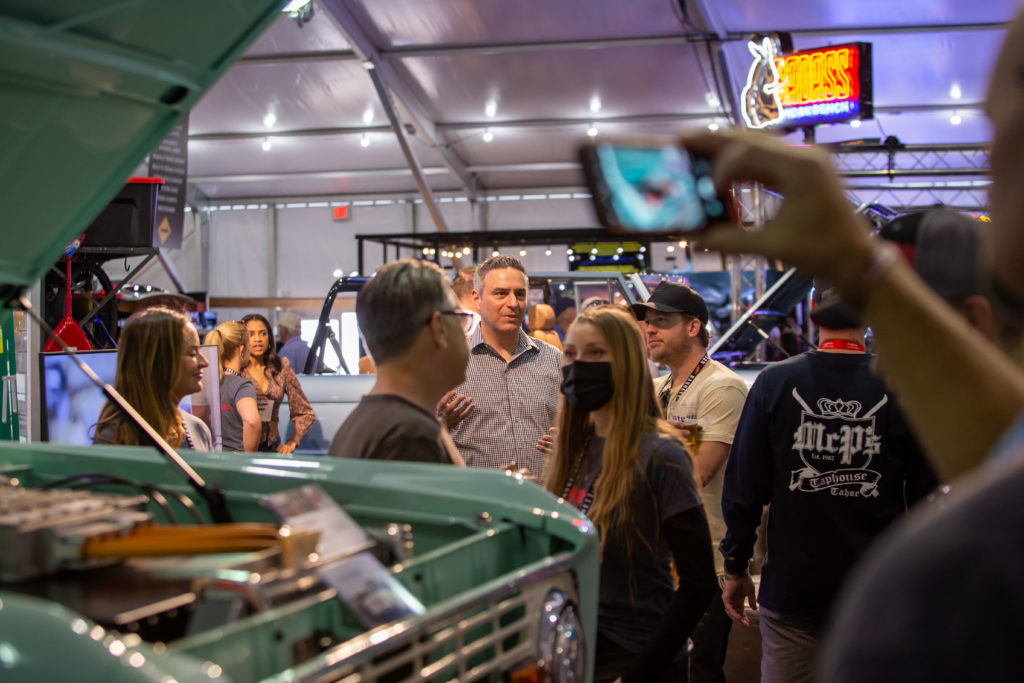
(743, 658)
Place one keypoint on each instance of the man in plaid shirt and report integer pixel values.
(510, 396)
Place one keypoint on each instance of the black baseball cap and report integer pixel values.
(673, 297)
(942, 247)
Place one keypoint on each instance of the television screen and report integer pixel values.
(71, 403)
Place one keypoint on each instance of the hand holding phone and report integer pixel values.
(651, 185)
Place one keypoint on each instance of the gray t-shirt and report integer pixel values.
(387, 427)
(233, 388)
(636, 584)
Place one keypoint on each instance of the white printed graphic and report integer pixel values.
(836, 445)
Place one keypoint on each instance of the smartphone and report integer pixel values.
(651, 185)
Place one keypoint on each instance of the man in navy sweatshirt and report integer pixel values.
(821, 440)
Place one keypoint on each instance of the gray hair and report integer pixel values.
(495, 263)
(397, 302)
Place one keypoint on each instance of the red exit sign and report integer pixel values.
(340, 212)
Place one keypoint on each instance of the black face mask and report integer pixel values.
(587, 386)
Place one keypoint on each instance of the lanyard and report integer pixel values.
(229, 370)
(686, 385)
(571, 493)
(843, 344)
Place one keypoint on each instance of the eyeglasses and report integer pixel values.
(465, 317)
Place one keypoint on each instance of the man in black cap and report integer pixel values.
(703, 398)
(821, 441)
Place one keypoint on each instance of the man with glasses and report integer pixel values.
(703, 399)
(416, 334)
(512, 378)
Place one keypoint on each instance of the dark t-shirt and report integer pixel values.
(636, 584)
(387, 427)
(233, 388)
(823, 442)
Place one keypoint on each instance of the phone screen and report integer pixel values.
(658, 189)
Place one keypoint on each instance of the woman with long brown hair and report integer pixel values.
(158, 364)
(273, 379)
(617, 461)
(239, 416)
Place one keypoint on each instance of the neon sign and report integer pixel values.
(823, 85)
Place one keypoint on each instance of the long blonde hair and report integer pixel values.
(230, 338)
(635, 411)
(149, 357)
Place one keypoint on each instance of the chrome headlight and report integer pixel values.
(563, 652)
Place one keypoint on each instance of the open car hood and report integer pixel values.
(88, 88)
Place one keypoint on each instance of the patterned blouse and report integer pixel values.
(301, 412)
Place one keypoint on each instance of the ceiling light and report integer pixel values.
(547, 252)
(955, 92)
(269, 120)
(855, 123)
(266, 144)
(491, 109)
(295, 5)
(568, 251)
(495, 253)
(594, 250)
(368, 116)
(955, 119)
(642, 249)
(592, 131)
(364, 140)
(338, 272)
(670, 248)
(595, 104)
(368, 65)
(426, 251)
(619, 250)
(571, 259)
(712, 100)
(522, 252)
(712, 126)
(682, 244)
(615, 257)
(488, 135)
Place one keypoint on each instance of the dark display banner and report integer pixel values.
(170, 161)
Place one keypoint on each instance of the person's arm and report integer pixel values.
(747, 485)
(690, 542)
(931, 355)
(250, 414)
(299, 409)
(710, 457)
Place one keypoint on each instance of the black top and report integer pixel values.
(823, 442)
(638, 605)
(939, 597)
(387, 427)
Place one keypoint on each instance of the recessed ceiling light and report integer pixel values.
(595, 104)
(488, 135)
(712, 126)
(955, 119)
(266, 144)
(522, 252)
(338, 272)
(368, 65)
(592, 131)
(495, 253)
(491, 109)
(364, 140)
(670, 248)
(270, 119)
(712, 100)
(547, 252)
(955, 92)
(368, 116)
(855, 123)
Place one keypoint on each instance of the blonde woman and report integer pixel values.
(158, 364)
(239, 416)
(617, 461)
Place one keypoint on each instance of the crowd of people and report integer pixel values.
(872, 571)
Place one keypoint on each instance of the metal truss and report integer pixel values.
(898, 160)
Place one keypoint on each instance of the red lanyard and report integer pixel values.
(843, 344)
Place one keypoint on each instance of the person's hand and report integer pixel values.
(733, 594)
(454, 408)
(815, 228)
(546, 443)
(286, 448)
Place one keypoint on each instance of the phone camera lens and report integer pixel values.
(714, 208)
(706, 188)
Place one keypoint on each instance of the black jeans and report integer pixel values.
(710, 640)
(612, 659)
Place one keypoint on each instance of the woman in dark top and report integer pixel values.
(239, 416)
(620, 463)
(273, 378)
(158, 364)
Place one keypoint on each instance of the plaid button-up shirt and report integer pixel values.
(515, 403)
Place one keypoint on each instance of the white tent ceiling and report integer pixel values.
(538, 73)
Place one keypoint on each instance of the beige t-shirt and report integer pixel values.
(714, 400)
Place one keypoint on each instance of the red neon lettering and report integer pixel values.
(820, 76)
